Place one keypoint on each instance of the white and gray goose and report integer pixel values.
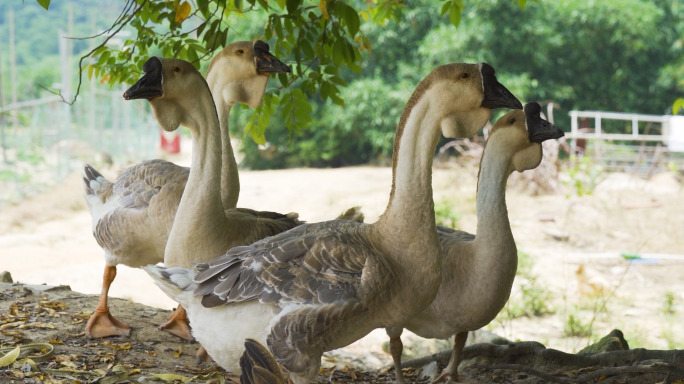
(322, 286)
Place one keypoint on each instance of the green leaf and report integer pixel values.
(192, 56)
(348, 52)
(522, 3)
(337, 100)
(264, 4)
(325, 90)
(338, 49)
(102, 59)
(455, 15)
(44, 3)
(677, 105)
(350, 17)
(445, 7)
(338, 80)
(305, 46)
(256, 126)
(292, 6)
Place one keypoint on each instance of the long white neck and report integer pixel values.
(411, 205)
(201, 204)
(407, 227)
(493, 226)
(230, 180)
(494, 244)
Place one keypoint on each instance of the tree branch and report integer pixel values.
(80, 62)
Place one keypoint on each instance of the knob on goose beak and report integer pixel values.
(150, 85)
(495, 94)
(538, 129)
(265, 62)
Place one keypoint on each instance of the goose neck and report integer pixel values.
(411, 206)
(493, 226)
(230, 179)
(200, 205)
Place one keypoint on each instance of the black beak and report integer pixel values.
(538, 129)
(150, 85)
(495, 94)
(266, 62)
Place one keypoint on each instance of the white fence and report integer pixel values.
(628, 141)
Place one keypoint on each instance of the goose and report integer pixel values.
(259, 366)
(201, 229)
(132, 216)
(479, 269)
(321, 286)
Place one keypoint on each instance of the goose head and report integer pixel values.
(476, 91)
(522, 132)
(166, 85)
(240, 71)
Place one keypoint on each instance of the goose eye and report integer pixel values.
(240, 52)
(512, 121)
(465, 75)
(176, 69)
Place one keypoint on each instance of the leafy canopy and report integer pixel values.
(321, 37)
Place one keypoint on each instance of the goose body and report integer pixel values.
(479, 269)
(133, 215)
(321, 286)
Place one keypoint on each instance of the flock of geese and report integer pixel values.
(266, 294)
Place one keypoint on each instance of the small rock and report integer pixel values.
(557, 234)
(5, 277)
(546, 218)
(614, 341)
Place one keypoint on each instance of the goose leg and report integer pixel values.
(178, 324)
(201, 355)
(396, 348)
(102, 323)
(450, 373)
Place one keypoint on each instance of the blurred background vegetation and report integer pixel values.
(612, 55)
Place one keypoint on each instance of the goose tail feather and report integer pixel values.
(259, 366)
(352, 214)
(93, 181)
(175, 282)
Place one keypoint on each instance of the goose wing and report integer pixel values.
(310, 264)
(448, 236)
(139, 184)
(249, 225)
(144, 196)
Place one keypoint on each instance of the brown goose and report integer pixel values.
(132, 216)
(479, 269)
(322, 286)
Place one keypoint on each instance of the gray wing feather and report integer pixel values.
(312, 263)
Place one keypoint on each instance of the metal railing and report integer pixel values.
(643, 139)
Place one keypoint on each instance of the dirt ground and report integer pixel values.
(612, 259)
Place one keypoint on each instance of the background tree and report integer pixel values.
(356, 62)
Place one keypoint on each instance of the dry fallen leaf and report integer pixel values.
(118, 347)
(171, 377)
(38, 324)
(53, 304)
(10, 357)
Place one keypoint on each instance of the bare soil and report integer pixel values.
(612, 259)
